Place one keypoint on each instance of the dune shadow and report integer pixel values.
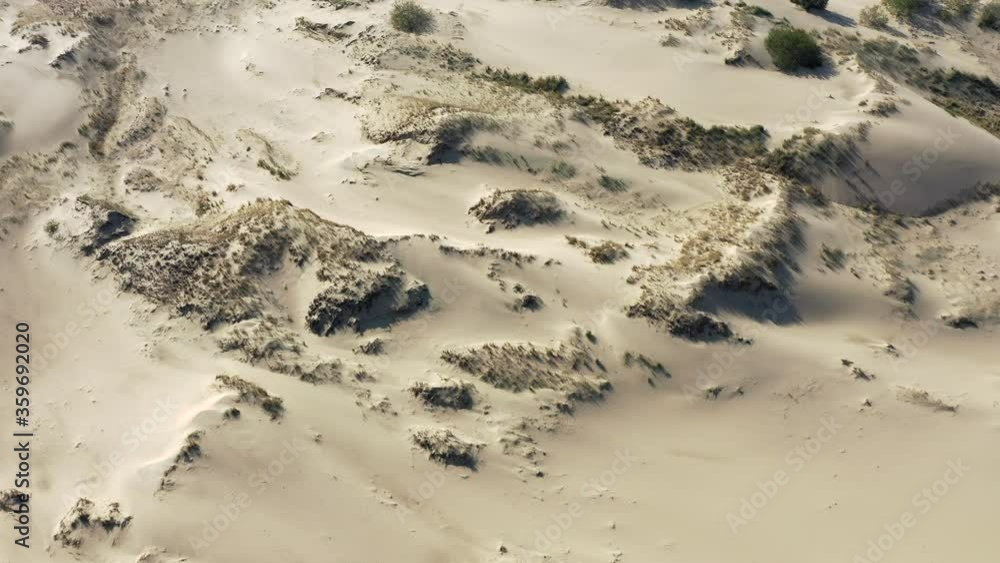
(653, 5)
(837, 19)
(761, 295)
(765, 306)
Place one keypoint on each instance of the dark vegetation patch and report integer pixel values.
(409, 17)
(189, 453)
(523, 81)
(607, 252)
(791, 49)
(445, 393)
(516, 208)
(85, 521)
(904, 9)
(663, 139)
(569, 368)
(446, 448)
(989, 18)
(812, 154)
(811, 5)
(252, 394)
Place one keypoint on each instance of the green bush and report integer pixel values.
(760, 12)
(874, 17)
(990, 18)
(792, 48)
(810, 5)
(904, 9)
(410, 17)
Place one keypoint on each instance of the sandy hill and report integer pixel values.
(520, 281)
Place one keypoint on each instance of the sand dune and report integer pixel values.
(561, 281)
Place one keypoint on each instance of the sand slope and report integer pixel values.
(304, 288)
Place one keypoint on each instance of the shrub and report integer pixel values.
(810, 5)
(792, 48)
(990, 18)
(670, 40)
(563, 170)
(764, 12)
(903, 9)
(611, 183)
(597, 109)
(957, 9)
(608, 252)
(410, 17)
(874, 17)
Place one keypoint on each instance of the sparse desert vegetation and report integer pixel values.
(444, 393)
(611, 183)
(874, 16)
(516, 208)
(670, 40)
(462, 266)
(252, 394)
(923, 398)
(904, 9)
(555, 85)
(410, 17)
(563, 170)
(447, 448)
(957, 10)
(607, 252)
(833, 258)
(989, 18)
(792, 49)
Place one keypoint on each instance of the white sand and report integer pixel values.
(657, 470)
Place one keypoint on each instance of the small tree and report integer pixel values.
(903, 9)
(410, 17)
(791, 48)
(811, 5)
(990, 18)
(874, 16)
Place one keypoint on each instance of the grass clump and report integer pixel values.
(52, 227)
(670, 40)
(874, 16)
(611, 183)
(523, 81)
(252, 394)
(903, 9)
(760, 12)
(409, 17)
(597, 109)
(833, 258)
(990, 16)
(276, 169)
(811, 5)
(792, 48)
(564, 170)
(608, 252)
